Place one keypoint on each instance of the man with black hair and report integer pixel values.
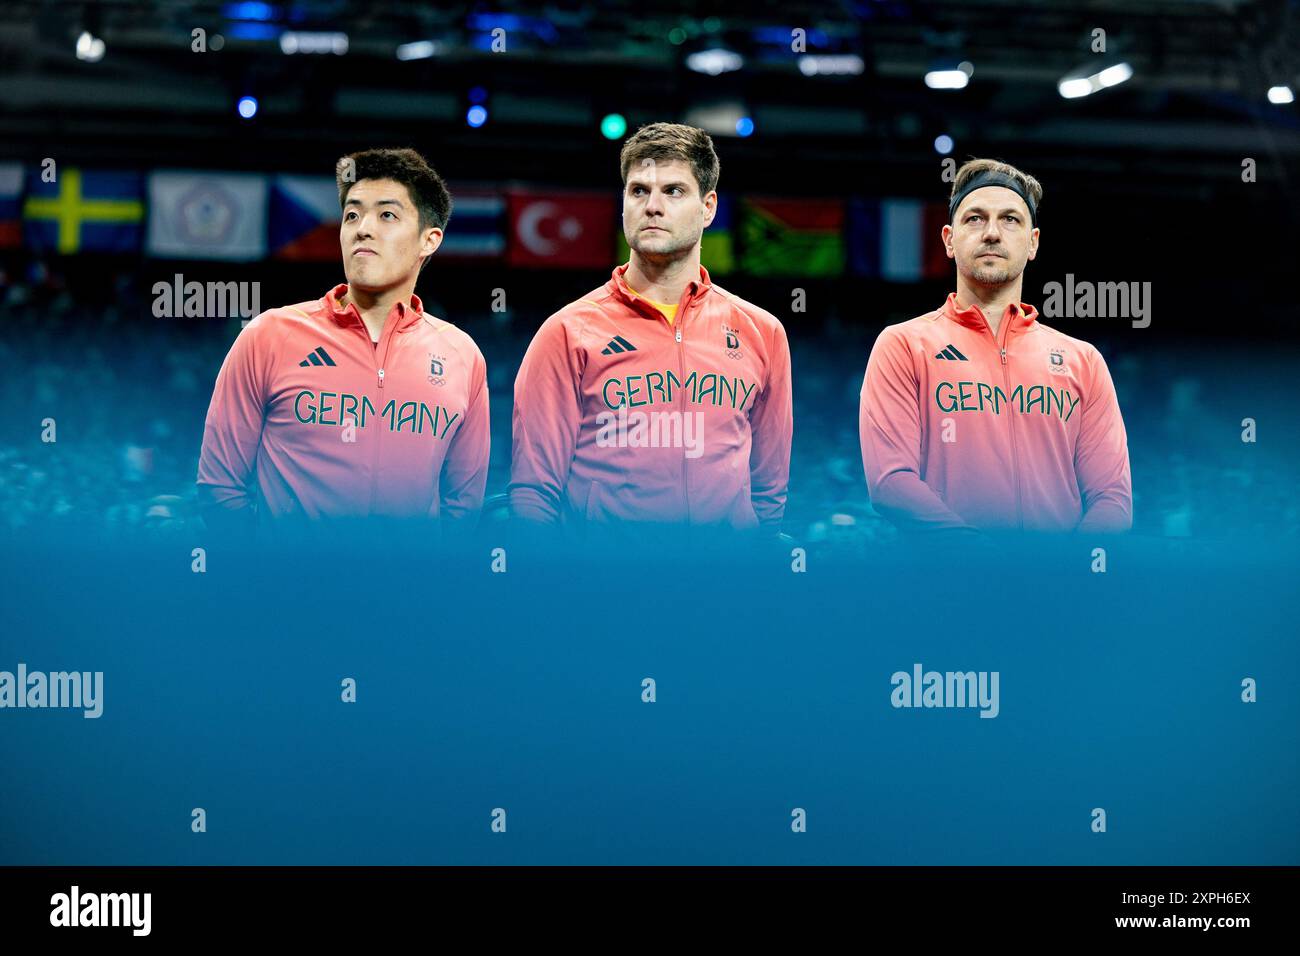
(358, 403)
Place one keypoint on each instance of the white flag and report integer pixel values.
(901, 241)
(194, 215)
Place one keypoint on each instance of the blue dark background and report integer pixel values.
(522, 690)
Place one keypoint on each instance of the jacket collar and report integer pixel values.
(406, 316)
(618, 286)
(1021, 315)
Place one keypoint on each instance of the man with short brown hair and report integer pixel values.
(659, 397)
(976, 416)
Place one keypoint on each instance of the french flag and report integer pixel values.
(897, 240)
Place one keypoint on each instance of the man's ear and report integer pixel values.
(710, 207)
(946, 234)
(432, 240)
(1033, 243)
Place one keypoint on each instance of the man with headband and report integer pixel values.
(976, 416)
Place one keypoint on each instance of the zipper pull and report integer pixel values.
(679, 333)
(381, 372)
(1004, 359)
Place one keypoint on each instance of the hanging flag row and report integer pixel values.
(187, 214)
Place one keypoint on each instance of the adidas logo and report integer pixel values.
(618, 344)
(319, 357)
(950, 352)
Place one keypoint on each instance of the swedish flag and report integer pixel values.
(84, 210)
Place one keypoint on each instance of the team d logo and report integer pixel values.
(436, 376)
(733, 342)
(1056, 360)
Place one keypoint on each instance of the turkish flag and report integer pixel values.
(561, 230)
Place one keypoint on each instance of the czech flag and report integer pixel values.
(11, 205)
(305, 218)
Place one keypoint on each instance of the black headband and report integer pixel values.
(991, 178)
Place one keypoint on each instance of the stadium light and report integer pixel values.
(89, 48)
(249, 10)
(946, 80)
(419, 50)
(246, 30)
(1073, 89)
(247, 106)
(950, 78)
(1115, 75)
(1280, 95)
(943, 144)
(744, 126)
(476, 116)
(301, 41)
(715, 61)
(613, 126)
(1076, 85)
(848, 64)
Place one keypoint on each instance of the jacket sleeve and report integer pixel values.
(772, 428)
(232, 431)
(545, 421)
(889, 425)
(465, 468)
(1101, 462)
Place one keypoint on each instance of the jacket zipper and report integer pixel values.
(1011, 422)
(681, 374)
(676, 326)
(388, 334)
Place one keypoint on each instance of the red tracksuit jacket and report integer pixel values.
(315, 420)
(962, 430)
(621, 416)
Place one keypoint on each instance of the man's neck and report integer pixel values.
(991, 299)
(662, 281)
(374, 306)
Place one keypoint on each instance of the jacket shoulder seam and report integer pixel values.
(740, 304)
(459, 340)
